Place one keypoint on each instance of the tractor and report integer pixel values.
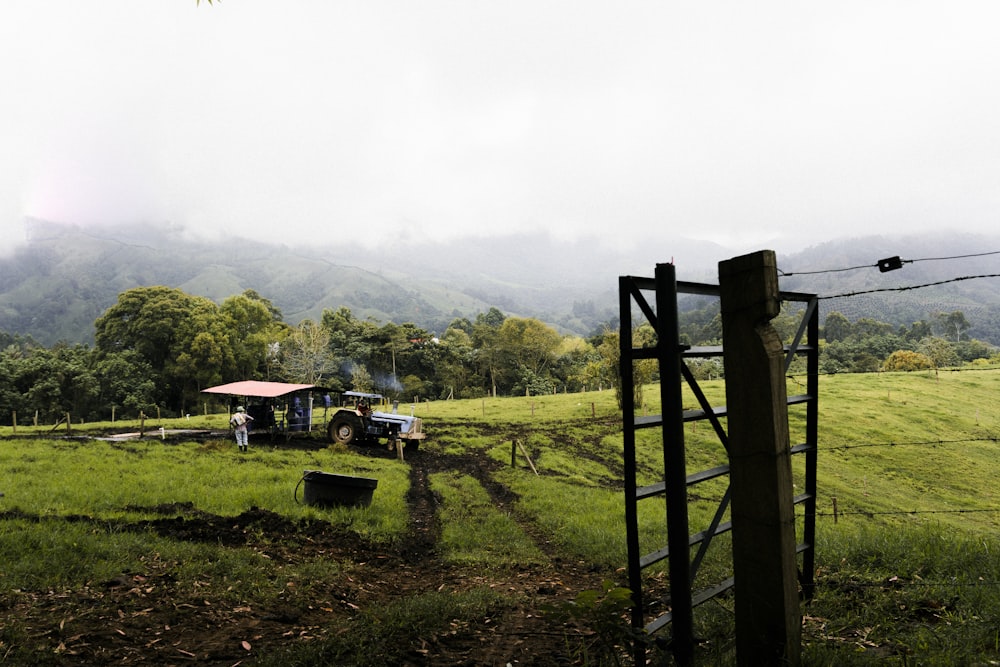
(361, 425)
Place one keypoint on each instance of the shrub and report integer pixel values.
(907, 360)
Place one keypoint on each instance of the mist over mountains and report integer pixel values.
(56, 285)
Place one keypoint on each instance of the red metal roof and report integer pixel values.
(257, 389)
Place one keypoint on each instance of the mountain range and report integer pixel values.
(64, 277)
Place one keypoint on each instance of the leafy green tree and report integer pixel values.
(788, 321)
(183, 338)
(399, 350)
(918, 331)
(254, 326)
(940, 351)
(699, 321)
(461, 324)
(456, 370)
(126, 383)
(572, 357)
(528, 343)
(610, 350)
(951, 324)
(970, 350)
(643, 370)
(306, 355)
(10, 397)
(57, 381)
(492, 318)
(351, 340)
(866, 327)
(836, 327)
(492, 364)
(530, 383)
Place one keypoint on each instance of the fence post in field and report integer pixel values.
(68, 425)
(527, 457)
(768, 619)
(13, 420)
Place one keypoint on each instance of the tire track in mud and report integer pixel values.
(424, 533)
(482, 469)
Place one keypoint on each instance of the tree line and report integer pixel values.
(867, 345)
(157, 348)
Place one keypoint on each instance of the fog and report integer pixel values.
(774, 124)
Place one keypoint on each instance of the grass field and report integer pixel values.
(159, 551)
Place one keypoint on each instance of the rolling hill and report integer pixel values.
(55, 286)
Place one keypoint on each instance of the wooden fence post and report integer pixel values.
(527, 457)
(768, 619)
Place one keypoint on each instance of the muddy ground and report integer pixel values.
(145, 618)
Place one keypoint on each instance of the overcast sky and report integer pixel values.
(755, 124)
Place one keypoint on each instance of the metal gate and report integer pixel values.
(676, 482)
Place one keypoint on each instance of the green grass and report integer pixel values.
(907, 569)
(116, 480)
(475, 531)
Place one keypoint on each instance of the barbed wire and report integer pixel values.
(897, 582)
(915, 443)
(873, 513)
(794, 377)
(888, 264)
(906, 288)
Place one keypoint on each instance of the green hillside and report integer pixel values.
(54, 287)
(929, 258)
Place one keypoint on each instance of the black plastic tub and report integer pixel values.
(324, 489)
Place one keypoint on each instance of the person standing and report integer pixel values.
(240, 421)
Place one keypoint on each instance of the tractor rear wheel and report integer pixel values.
(342, 431)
